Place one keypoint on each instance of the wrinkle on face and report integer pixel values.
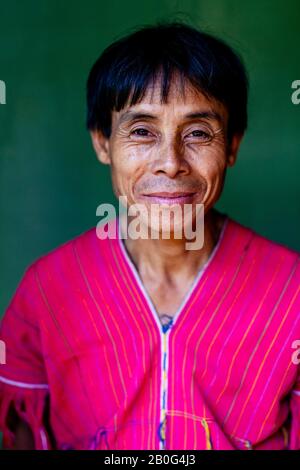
(170, 151)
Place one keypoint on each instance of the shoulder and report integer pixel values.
(87, 244)
(59, 273)
(260, 243)
(271, 259)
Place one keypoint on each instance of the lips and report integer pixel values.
(178, 197)
(170, 195)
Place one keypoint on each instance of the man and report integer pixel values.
(140, 343)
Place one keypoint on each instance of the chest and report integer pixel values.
(166, 299)
(210, 364)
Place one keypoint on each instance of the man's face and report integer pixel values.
(178, 147)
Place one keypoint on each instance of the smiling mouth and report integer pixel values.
(170, 195)
(170, 198)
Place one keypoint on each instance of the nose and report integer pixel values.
(170, 159)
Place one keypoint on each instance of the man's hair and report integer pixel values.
(128, 66)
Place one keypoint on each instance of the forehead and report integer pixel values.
(183, 99)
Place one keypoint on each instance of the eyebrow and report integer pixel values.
(131, 116)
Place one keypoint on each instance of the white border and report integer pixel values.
(23, 384)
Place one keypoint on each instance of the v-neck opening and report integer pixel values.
(190, 291)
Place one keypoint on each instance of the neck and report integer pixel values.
(165, 259)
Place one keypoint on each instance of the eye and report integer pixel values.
(200, 134)
(141, 132)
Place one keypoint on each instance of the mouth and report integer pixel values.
(179, 197)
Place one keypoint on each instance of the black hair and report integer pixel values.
(124, 70)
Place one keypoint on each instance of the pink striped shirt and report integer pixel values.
(82, 332)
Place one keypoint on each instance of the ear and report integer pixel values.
(101, 146)
(233, 149)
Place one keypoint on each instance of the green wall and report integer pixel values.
(50, 180)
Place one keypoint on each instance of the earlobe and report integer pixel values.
(231, 160)
(101, 146)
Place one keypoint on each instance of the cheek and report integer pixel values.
(130, 159)
(209, 163)
(126, 168)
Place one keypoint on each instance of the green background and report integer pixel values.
(50, 179)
